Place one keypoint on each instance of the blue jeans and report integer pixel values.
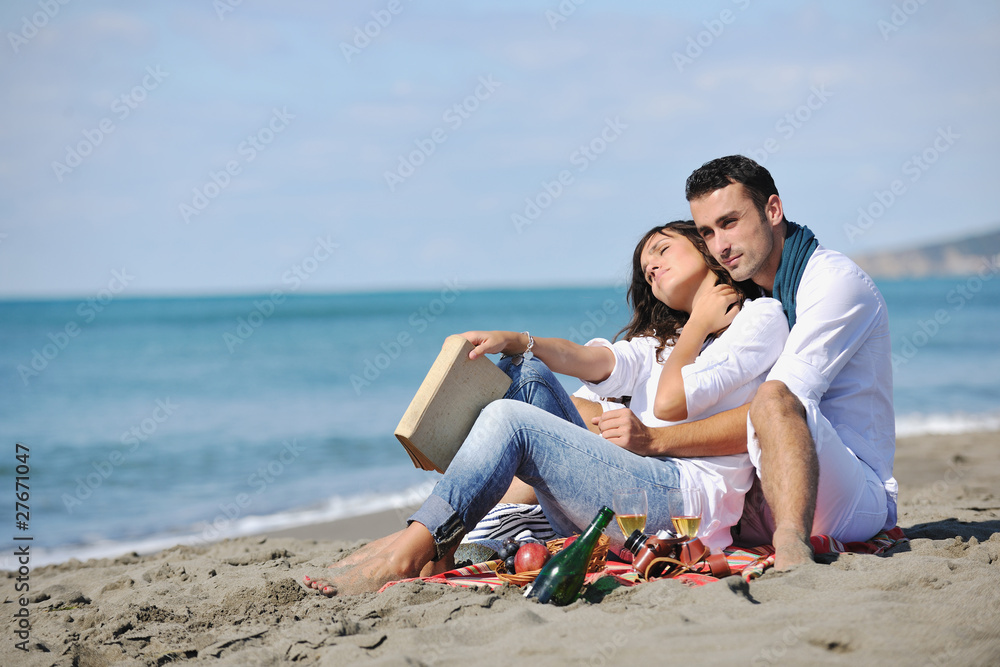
(536, 434)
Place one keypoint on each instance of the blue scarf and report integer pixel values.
(799, 246)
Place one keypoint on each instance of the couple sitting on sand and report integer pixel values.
(795, 390)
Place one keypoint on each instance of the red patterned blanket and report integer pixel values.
(749, 563)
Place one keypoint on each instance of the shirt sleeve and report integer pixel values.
(744, 352)
(632, 367)
(837, 307)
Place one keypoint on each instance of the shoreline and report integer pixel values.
(934, 600)
(363, 527)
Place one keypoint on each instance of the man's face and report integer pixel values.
(736, 235)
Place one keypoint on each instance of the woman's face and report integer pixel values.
(674, 269)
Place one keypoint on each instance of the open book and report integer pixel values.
(445, 407)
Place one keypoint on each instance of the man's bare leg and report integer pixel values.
(789, 470)
(408, 555)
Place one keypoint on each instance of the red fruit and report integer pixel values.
(569, 540)
(531, 556)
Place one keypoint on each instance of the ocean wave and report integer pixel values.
(918, 423)
(222, 527)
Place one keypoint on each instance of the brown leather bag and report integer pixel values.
(685, 557)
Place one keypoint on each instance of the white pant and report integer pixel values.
(851, 501)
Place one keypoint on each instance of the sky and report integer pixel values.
(245, 146)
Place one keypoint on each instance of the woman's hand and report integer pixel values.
(495, 342)
(590, 364)
(714, 309)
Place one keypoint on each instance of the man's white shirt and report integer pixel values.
(838, 356)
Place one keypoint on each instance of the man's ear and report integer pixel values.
(774, 210)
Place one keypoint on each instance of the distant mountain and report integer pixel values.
(955, 258)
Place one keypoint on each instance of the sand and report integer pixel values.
(935, 601)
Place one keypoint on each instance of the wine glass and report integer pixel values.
(631, 508)
(685, 511)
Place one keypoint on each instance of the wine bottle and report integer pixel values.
(561, 579)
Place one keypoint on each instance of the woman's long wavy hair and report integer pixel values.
(651, 317)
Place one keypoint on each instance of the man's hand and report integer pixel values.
(624, 429)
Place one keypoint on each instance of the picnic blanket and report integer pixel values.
(748, 563)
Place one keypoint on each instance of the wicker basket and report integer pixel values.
(598, 560)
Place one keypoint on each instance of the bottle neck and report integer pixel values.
(597, 526)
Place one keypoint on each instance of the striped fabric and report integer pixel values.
(749, 563)
(511, 520)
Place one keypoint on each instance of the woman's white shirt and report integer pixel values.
(724, 376)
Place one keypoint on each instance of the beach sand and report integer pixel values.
(934, 601)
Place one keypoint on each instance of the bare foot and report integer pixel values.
(367, 551)
(403, 556)
(354, 559)
(790, 550)
(437, 567)
(365, 577)
(327, 584)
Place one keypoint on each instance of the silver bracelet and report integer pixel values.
(528, 354)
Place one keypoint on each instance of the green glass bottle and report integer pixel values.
(561, 579)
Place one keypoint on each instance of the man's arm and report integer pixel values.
(719, 435)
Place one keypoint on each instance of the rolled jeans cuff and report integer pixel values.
(443, 523)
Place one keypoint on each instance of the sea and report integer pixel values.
(134, 424)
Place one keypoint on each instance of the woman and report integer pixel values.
(681, 298)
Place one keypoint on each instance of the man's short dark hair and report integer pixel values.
(723, 171)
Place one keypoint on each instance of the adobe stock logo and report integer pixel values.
(581, 158)
(793, 121)
(704, 39)
(382, 19)
(60, 339)
(248, 150)
(454, 116)
(38, 20)
(223, 7)
(419, 321)
(104, 467)
(899, 17)
(915, 167)
(294, 277)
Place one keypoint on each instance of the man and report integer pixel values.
(821, 430)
